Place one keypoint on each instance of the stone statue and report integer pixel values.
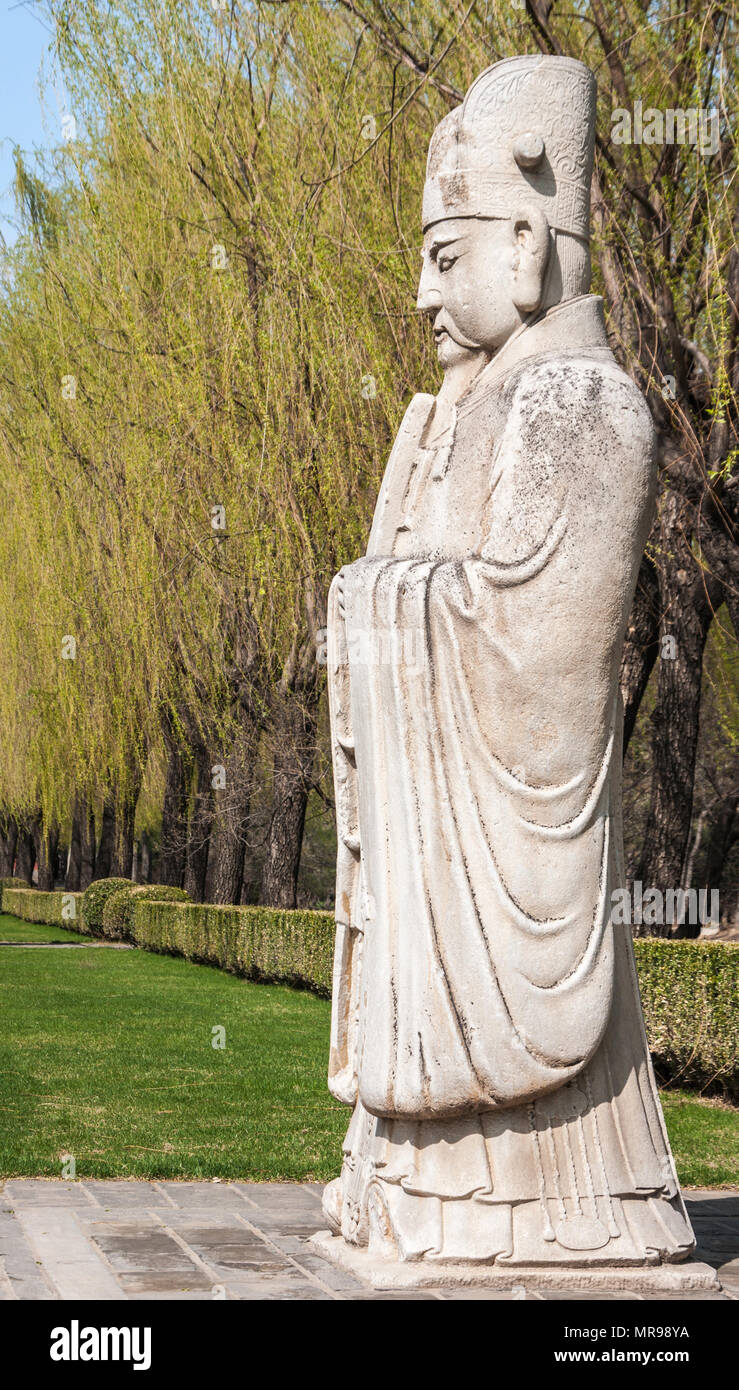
(487, 1030)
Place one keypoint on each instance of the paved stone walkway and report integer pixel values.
(207, 1240)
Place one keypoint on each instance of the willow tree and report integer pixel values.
(269, 317)
(666, 218)
(217, 456)
(227, 271)
(77, 609)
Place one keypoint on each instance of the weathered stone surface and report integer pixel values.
(24, 1274)
(38, 1192)
(73, 1266)
(685, 1278)
(119, 1195)
(487, 1030)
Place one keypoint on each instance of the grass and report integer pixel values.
(704, 1135)
(107, 1055)
(12, 929)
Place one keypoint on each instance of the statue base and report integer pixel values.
(685, 1278)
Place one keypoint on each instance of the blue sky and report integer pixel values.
(24, 120)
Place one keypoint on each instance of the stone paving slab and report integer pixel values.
(23, 1272)
(71, 1264)
(239, 1241)
(114, 1195)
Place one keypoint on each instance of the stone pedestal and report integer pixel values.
(690, 1277)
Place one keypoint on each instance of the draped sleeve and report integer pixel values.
(475, 700)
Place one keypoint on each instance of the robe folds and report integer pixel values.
(473, 685)
(486, 1024)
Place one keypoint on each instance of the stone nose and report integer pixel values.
(429, 297)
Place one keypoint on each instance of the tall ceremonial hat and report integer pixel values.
(525, 132)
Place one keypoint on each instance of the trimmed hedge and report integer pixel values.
(690, 996)
(118, 910)
(11, 883)
(94, 899)
(690, 989)
(52, 909)
(260, 943)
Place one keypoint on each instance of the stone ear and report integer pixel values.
(530, 233)
(528, 150)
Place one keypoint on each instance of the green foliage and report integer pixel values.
(259, 943)
(41, 208)
(11, 883)
(217, 263)
(690, 996)
(216, 298)
(54, 909)
(117, 917)
(94, 899)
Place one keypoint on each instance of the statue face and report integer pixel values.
(471, 281)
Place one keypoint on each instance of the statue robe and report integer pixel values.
(482, 998)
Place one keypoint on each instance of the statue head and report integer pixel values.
(506, 204)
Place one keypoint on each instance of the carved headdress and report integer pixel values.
(524, 133)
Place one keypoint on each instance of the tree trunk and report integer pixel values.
(697, 836)
(8, 842)
(294, 754)
(25, 854)
(122, 862)
(641, 645)
(729, 898)
(251, 880)
(73, 876)
(114, 857)
(721, 838)
(48, 850)
(173, 845)
(87, 845)
(145, 862)
(688, 602)
(231, 818)
(199, 828)
(104, 857)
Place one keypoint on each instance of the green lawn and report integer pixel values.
(11, 929)
(107, 1055)
(704, 1135)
